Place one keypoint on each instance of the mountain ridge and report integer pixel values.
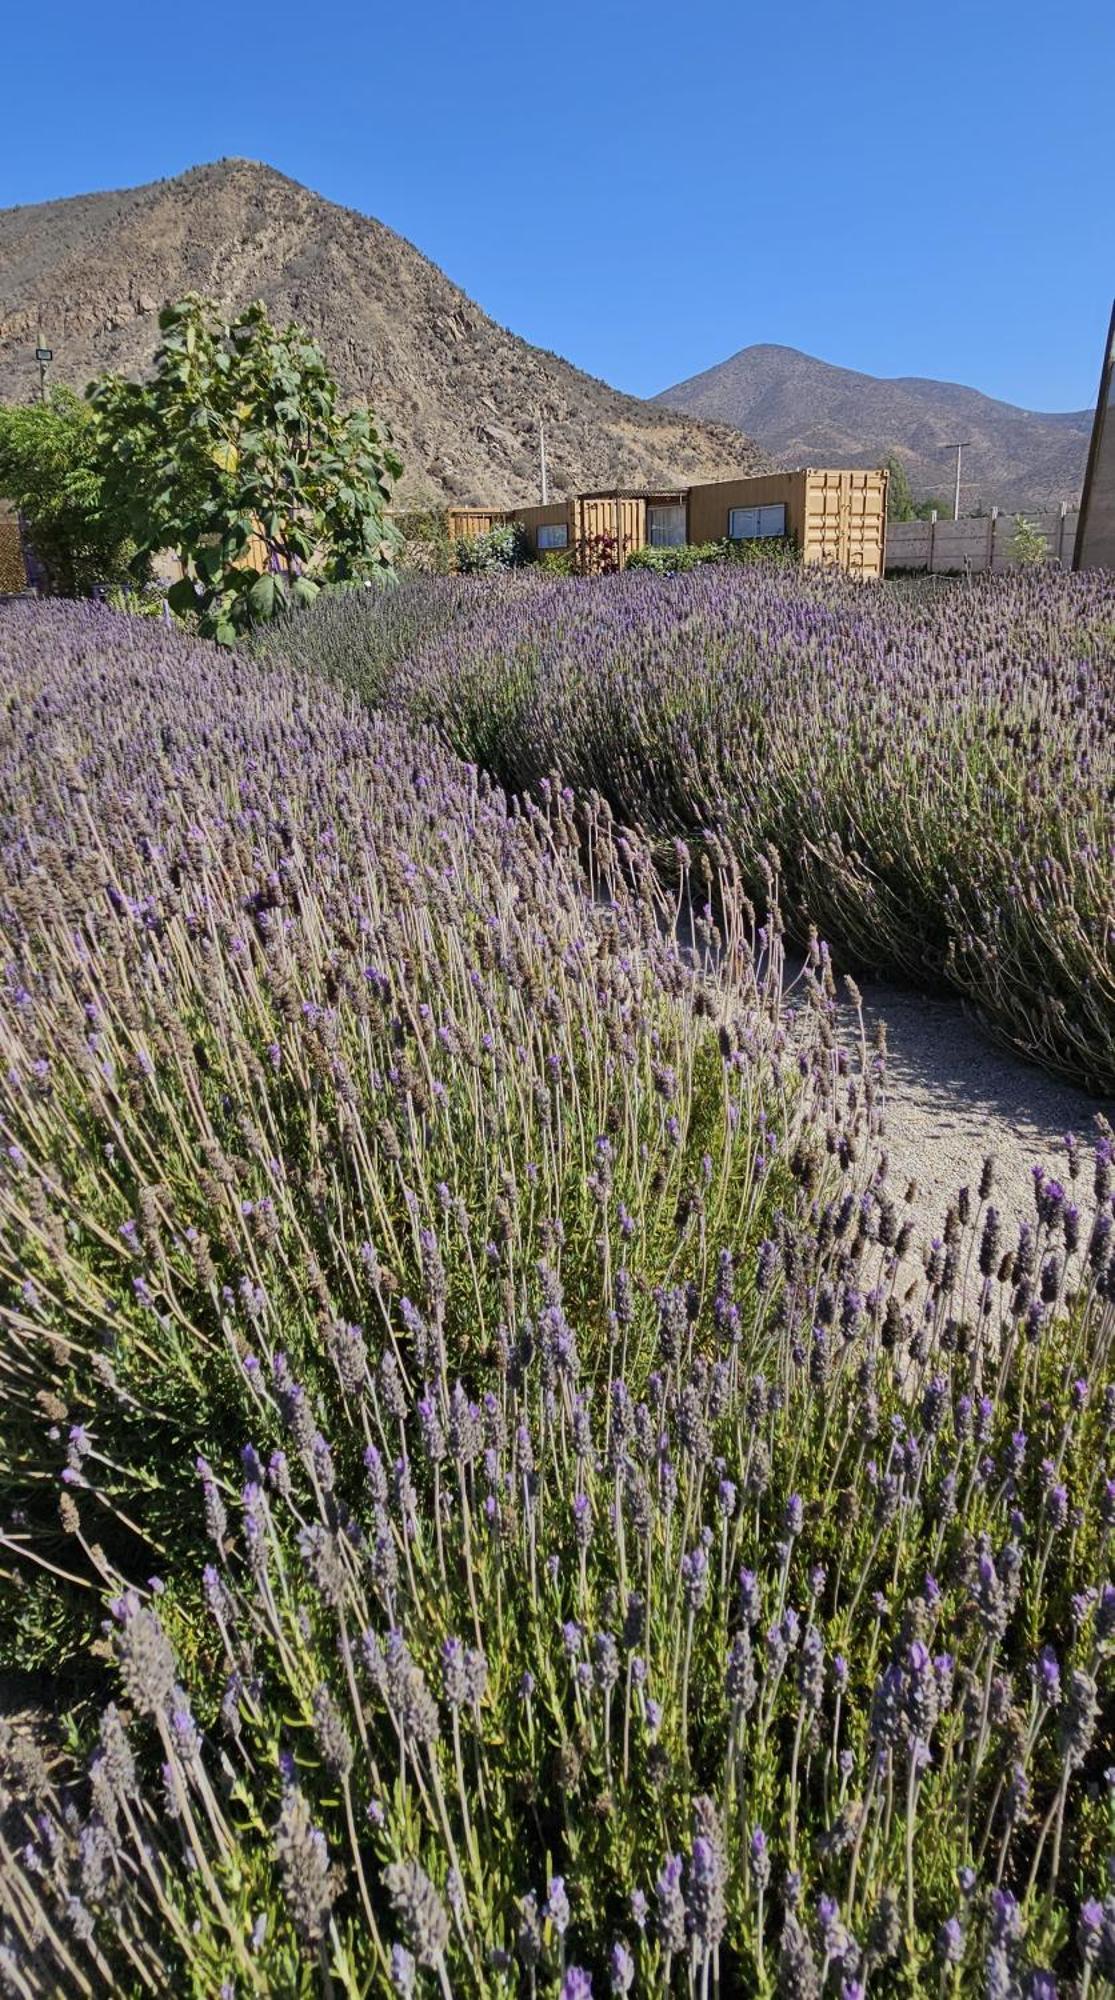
(88, 274)
(807, 411)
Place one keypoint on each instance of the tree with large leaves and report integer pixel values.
(236, 457)
(50, 471)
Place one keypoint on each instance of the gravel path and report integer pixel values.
(954, 1095)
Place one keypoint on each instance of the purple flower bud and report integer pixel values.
(556, 1906)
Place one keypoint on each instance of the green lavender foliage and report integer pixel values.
(532, 1517)
(937, 776)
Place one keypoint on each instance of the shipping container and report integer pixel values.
(465, 522)
(836, 517)
(549, 529)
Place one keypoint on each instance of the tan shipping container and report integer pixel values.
(618, 518)
(832, 516)
(465, 522)
(597, 526)
(557, 515)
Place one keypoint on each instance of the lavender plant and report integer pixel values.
(936, 776)
(546, 1527)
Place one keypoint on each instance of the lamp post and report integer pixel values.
(44, 356)
(958, 448)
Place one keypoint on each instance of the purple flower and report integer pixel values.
(576, 1985)
(556, 1906)
(621, 1968)
(670, 1906)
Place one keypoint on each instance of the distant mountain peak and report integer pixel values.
(89, 274)
(809, 412)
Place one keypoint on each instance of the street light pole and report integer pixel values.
(959, 448)
(43, 355)
(542, 459)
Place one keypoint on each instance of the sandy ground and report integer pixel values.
(954, 1095)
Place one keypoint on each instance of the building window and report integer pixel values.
(553, 535)
(666, 527)
(753, 524)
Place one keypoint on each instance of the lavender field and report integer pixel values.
(935, 773)
(494, 1497)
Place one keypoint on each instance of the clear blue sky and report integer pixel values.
(921, 190)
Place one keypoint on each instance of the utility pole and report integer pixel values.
(958, 448)
(542, 459)
(43, 355)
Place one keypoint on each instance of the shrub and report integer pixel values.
(51, 471)
(237, 439)
(936, 775)
(557, 562)
(596, 555)
(549, 1527)
(767, 553)
(501, 547)
(672, 561)
(1027, 544)
(425, 545)
(357, 638)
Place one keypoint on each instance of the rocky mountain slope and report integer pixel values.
(805, 412)
(87, 276)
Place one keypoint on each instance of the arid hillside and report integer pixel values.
(806, 412)
(87, 276)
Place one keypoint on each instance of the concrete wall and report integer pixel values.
(959, 547)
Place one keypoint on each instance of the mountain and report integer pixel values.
(806, 412)
(87, 277)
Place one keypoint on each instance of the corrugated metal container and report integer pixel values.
(846, 520)
(610, 527)
(548, 529)
(831, 516)
(465, 522)
(599, 529)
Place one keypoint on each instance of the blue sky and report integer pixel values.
(908, 190)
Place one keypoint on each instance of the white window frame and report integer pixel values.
(757, 524)
(672, 507)
(553, 535)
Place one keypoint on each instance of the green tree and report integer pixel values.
(900, 499)
(236, 457)
(901, 505)
(50, 469)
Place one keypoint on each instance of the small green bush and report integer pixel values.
(558, 562)
(1028, 544)
(501, 547)
(694, 555)
(426, 546)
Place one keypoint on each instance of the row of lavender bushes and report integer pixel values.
(518, 1515)
(935, 773)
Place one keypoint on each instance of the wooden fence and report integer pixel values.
(985, 544)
